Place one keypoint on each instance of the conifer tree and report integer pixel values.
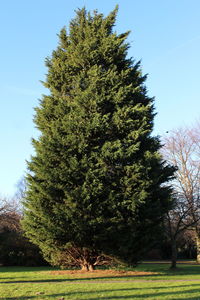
(96, 184)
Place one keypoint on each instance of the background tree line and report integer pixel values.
(15, 248)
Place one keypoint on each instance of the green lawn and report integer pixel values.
(39, 283)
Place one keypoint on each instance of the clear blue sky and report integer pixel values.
(164, 34)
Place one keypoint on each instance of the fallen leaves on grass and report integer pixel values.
(102, 273)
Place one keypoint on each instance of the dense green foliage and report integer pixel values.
(96, 182)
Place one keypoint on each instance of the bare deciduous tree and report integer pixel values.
(9, 217)
(182, 149)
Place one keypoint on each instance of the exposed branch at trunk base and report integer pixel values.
(84, 258)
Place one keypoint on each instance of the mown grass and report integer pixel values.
(39, 283)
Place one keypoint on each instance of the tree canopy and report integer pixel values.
(97, 186)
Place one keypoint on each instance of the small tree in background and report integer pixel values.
(96, 183)
(178, 222)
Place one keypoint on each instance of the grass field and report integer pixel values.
(42, 283)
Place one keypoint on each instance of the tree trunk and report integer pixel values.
(198, 247)
(87, 267)
(91, 268)
(84, 268)
(174, 255)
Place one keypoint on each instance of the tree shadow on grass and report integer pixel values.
(76, 280)
(187, 292)
(106, 279)
(11, 269)
(190, 298)
(164, 269)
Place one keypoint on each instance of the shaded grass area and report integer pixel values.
(40, 283)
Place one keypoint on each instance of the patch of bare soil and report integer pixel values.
(101, 273)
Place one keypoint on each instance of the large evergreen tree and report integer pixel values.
(97, 184)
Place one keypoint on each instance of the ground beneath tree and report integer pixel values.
(102, 273)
